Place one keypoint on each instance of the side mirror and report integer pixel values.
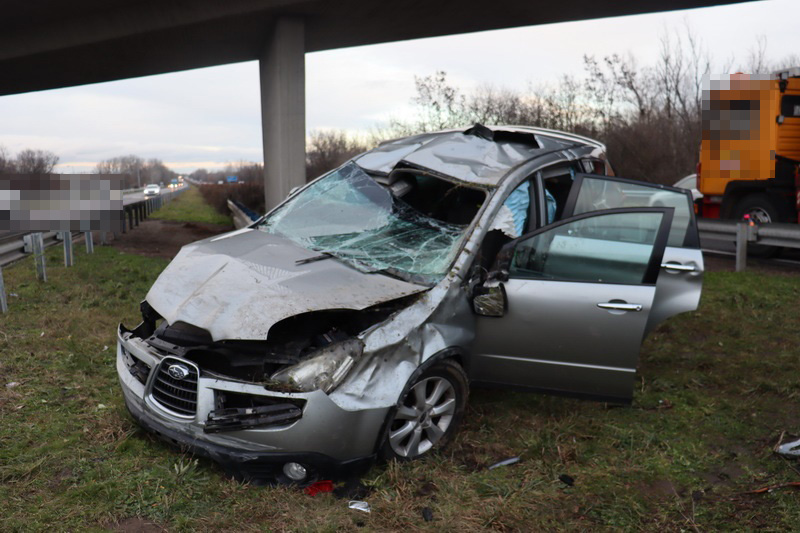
(490, 301)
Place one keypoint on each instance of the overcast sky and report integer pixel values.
(208, 117)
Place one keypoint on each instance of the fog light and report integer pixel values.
(295, 471)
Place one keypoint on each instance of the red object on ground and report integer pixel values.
(325, 485)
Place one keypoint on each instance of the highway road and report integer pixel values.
(139, 196)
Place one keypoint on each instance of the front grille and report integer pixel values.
(178, 396)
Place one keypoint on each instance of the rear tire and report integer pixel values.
(428, 412)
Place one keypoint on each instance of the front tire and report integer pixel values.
(762, 209)
(428, 412)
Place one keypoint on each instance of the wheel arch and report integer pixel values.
(454, 353)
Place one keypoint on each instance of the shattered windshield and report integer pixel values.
(348, 215)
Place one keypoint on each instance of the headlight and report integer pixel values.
(325, 369)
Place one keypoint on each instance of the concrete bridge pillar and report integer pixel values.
(283, 109)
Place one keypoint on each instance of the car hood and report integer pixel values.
(239, 285)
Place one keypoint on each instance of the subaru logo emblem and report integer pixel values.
(178, 371)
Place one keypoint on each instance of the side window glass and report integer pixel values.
(557, 185)
(608, 248)
(599, 194)
(790, 105)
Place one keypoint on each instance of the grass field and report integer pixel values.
(718, 388)
(190, 207)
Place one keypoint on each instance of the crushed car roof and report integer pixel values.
(480, 155)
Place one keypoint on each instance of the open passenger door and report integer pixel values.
(678, 290)
(570, 303)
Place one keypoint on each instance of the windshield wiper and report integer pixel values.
(323, 255)
(396, 273)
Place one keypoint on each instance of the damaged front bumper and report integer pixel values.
(250, 431)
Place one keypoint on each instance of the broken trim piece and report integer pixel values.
(235, 419)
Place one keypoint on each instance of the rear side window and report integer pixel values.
(596, 194)
(607, 248)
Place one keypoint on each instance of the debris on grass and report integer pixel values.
(771, 488)
(505, 462)
(790, 449)
(352, 489)
(567, 480)
(325, 485)
(427, 489)
(427, 514)
(359, 506)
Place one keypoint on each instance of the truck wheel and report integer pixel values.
(762, 210)
(428, 412)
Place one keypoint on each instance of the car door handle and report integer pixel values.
(620, 306)
(677, 266)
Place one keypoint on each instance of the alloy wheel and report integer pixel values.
(423, 418)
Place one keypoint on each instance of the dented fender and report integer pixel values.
(439, 320)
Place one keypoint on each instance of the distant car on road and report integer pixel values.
(668, 199)
(689, 182)
(152, 190)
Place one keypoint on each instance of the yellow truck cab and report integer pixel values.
(750, 149)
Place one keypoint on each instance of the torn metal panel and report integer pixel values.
(383, 159)
(239, 287)
(238, 418)
(440, 319)
(471, 158)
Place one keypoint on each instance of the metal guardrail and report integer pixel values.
(13, 247)
(742, 234)
(241, 218)
(18, 245)
(135, 212)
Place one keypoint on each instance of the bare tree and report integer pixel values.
(6, 162)
(757, 62)
(200, 174)
(138, 171)
(789, 61)
(648, 116)
(129, 165)
(327, 150)
(35, 161)
(245, 171)
(440, 104)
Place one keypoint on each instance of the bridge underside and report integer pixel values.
(51, 43)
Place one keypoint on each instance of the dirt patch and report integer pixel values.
(136, 525)
(727, 475)
(62, 478)
(160, 238)
(660, 489)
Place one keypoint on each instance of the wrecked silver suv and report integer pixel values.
(349, 321)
